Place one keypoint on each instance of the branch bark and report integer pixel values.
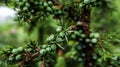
(85, 19)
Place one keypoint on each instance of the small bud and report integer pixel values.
(18, 57)
(45, 4)
(78, 47)
(50, 2)
(25, 8)
(99, 60)
(79, 59)
(73, 36)
(44, 46)
(51, 37)
(29, 49)
(21, 3)
(86, 1)
(53, 47)
(27, 5)
(36, 3)
(59, 12)
(71, 42)
(90, 45)
(20, 49)
(40, 3)
(48, 49)
(54, 8)
(83, 54)
(11, 58)
(83, 35)
(94, 40)
(96, 35)
(76, 33)
(79, 23)
(91, 34)
(42, 51)
(87, 40)
(61, 34)
(92, 0)
(59, 39)
(94, 57)
(80, 31)
(15, 51)
(49, 9)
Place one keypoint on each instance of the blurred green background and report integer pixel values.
(13, 33)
